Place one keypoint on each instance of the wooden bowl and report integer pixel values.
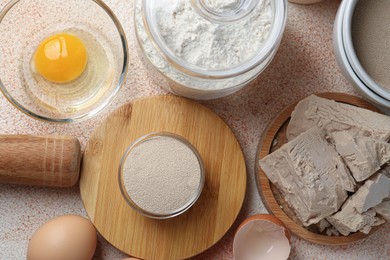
(273, 138)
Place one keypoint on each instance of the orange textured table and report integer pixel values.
(304, 64)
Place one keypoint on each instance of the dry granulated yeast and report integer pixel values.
(371, 39)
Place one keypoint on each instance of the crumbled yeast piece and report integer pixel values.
(372, 193)
(307, 171)
(357, 213)
(378, 222)
(363, 155)
(332, 231)
(349, 220)
(322, 225)
(383, 209)
(334, 116)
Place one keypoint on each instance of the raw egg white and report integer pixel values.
(262, 236)
(61, 58)
(68, 237)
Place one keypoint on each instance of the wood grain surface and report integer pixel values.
(198, 228)
(273, 138)
(39, 160)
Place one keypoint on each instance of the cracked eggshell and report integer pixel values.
(262, 236)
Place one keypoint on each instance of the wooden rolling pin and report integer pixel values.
(39, 160)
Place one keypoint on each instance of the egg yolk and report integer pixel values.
(61, 58)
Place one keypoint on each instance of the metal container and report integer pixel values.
(349, 63)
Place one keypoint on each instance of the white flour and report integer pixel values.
(161, 175)
(212, 45)
(203, 43)
(222, 5)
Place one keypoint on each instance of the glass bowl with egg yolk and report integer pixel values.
(63, 61)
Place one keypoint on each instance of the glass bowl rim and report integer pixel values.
(188, 204)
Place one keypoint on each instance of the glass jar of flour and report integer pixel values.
(207, 49)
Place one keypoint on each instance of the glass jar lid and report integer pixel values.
(214, 38)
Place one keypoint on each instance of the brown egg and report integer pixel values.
(130, 258)
(67, 237)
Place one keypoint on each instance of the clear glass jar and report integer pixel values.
(208, 49)
(131, 164)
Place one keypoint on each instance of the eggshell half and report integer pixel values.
(262, 236)
(67, 237)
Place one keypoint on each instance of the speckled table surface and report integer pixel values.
(304, 64)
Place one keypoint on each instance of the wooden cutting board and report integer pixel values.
(273, 138)
(204, 223)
